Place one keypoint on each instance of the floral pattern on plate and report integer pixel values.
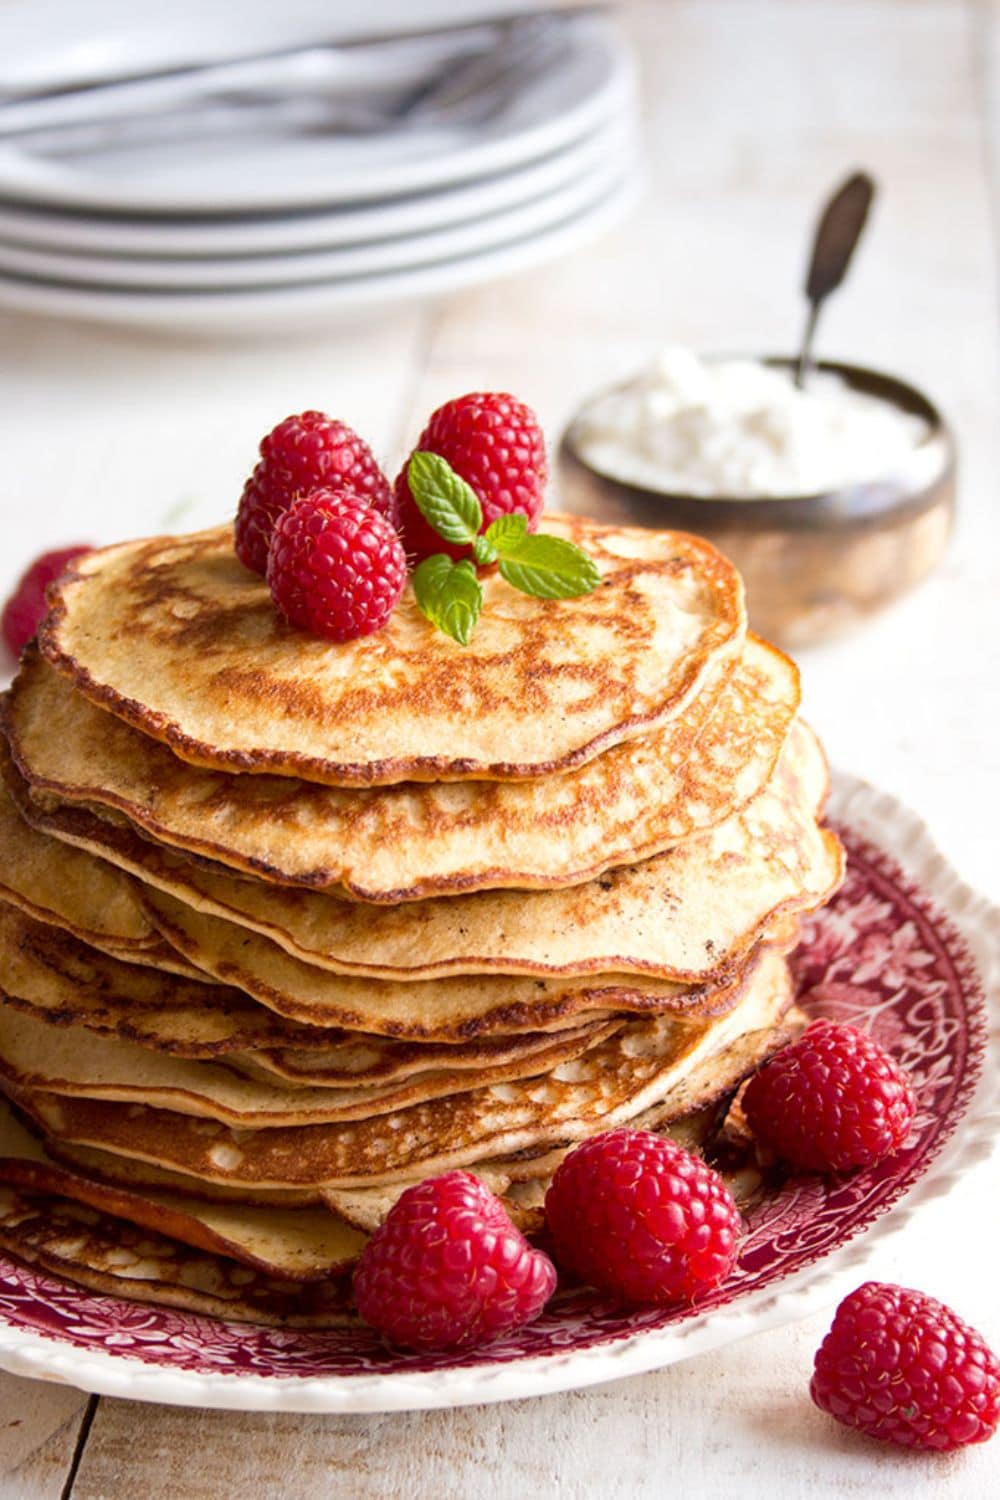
(882, 955)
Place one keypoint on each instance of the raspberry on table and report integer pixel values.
(305, 452)
(832, 1100)
(902, 1367)
(26, 607)
(448, 1269)
(336, 567)
(637, 1216)
(495, 443)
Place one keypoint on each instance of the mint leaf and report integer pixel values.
(444, 499)
(449, 594)
(484, 551)
(547, 567)
(507, 531)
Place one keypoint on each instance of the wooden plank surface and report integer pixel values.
(754, 107)
(39, 1426)
(751, 1434)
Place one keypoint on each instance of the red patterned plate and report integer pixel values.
(905, 950)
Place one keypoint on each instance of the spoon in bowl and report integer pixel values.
(837, 233)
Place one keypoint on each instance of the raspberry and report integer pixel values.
(26, 607)
(902, 1367)
(448, 1269)
(830, 1101)
(495, 443)
(336, 566)
(304, 453)
(637, 1216)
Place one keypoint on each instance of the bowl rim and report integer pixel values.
(915, 485)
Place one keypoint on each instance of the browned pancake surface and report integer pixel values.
(400, 843)
(677, 1064)
(108, 1255)
(174, 635)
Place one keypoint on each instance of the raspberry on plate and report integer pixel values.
(305, 452)
(336, 567)
(901, 1366)
(448, 1269)
(635, 1215)
(495, 443)
(25, 609)
(832, 1100)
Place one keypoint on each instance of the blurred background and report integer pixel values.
(212, 216)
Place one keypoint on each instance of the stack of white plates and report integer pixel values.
(262, 228)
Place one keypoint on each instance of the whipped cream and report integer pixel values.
(741, 429)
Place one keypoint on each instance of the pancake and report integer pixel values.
(703, 907)
(109, 1256)
(67, 888)
(174, 635)
(571, 932)
(503, 1174)
(51, 970)
(677, 1065)
(57, 1060)
(366, 1208)
(552, 932)
(381, 1059)
(161, 957)
(458, 1008)
(46, 969)
(53, 978)
(300, 1244)
(417, 840)
(128, 1172)
(139, 1177)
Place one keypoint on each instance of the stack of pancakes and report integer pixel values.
(286, 926)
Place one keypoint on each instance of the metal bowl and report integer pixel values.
(818, 564)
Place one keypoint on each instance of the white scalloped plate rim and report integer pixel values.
(906, 838)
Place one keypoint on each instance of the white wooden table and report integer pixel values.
(754, 108)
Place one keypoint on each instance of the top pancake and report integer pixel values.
(175, 636)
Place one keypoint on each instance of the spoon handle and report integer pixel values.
(837, 234)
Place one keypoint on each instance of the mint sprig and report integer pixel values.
(548, 567)
(444, 499)
(501, 538)
(449, 593)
